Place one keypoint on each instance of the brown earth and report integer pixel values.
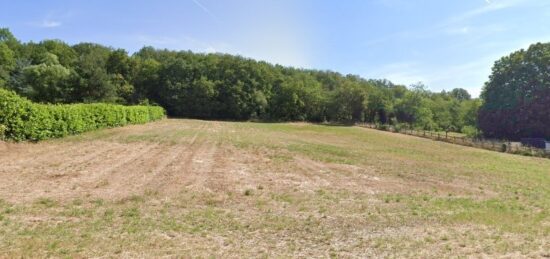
(113, 169)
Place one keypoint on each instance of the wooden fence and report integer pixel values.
(489, 144)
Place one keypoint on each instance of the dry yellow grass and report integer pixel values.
(201, 188)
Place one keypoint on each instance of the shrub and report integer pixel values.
(2, 131)
(470, 131)
(384, 127)
(21, 119)
(398, 127)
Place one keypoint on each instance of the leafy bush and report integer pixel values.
(2, 131)
(22, 119)
(398, 127)
(385, 127)
(470, 131)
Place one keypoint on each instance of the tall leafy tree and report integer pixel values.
(516, 99)
(47, 81)
(7, 63)
(460, 94)
(93, 83)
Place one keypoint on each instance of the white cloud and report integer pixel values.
(470, 75)
(52, 19)
(481, 43)
(49, 24)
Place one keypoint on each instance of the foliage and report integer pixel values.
(460, 94)
(47, 81)
(7, 63)
(22, 119)
(470, 131)
(219, 86)
(517, 95)
(2, 132)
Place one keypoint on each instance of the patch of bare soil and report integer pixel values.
(3, 146)
(107, 170)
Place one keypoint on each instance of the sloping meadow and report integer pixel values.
(21, 119)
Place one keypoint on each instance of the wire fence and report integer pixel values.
(489, 144)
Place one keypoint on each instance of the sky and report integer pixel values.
(444, 44)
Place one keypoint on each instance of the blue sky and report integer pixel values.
(445, 44)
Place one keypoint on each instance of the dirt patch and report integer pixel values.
(316, 174)
(106, 165)
(108, 170)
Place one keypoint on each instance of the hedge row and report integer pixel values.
(21, 119)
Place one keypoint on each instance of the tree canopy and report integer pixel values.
(516, 99)
(219, 86)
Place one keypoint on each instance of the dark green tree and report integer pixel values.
(516, 99)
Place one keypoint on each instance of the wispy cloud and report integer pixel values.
(480, 30)
(470, 74)
(455, 25)
(52, 19)
(437, 78)
(488, 7)
(49, 24)
(481, 41)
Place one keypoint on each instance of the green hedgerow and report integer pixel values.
(21, 119)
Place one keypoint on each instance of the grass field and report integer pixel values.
(226, 189)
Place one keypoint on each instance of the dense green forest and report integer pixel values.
(220, 86)
(513, 102)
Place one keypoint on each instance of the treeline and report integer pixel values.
(219, 86)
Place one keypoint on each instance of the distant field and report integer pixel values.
(227, 189)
